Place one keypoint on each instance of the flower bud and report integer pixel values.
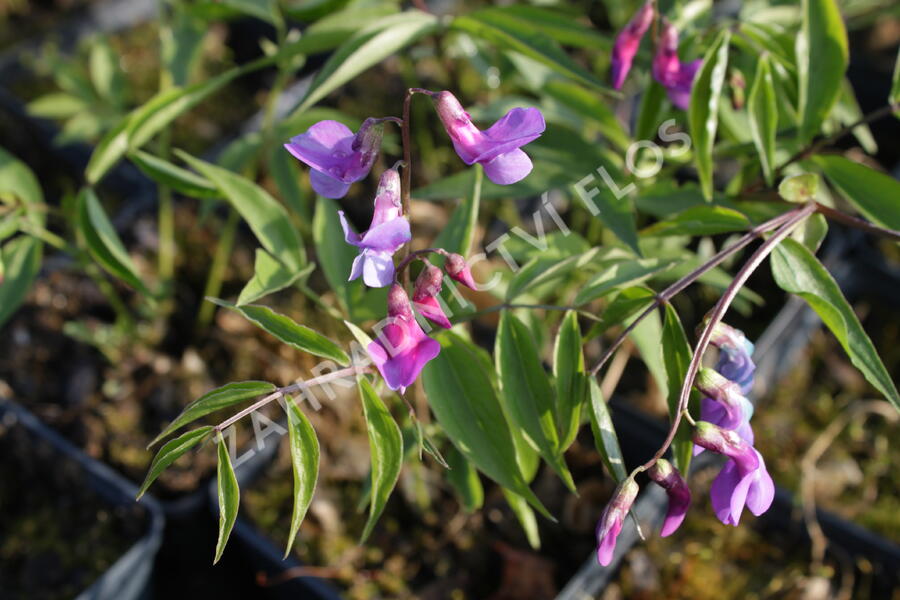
(367, 140)
(667, 476)
(627, 43)
(614, 514)
(727, 393)
(398, 303)
(458, 270)
(387, 199)
(728, 443)
(425, 295)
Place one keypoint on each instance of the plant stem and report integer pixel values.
(718, 313)
(842, 217)
(506, 305)
(217, 269)
(406, 180)
(667, 294)
(290, 389)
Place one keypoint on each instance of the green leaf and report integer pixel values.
(386, 446)
(266, 10)
(525, 516)
(334, 255)
(288, 331)
(465, 404)
(542, 270)
(605, 437)
(56, 105)
(464, 479)
(229, 497)
(676, 357)
(103, 242)
(526, 392)
(283, 168)
(799, 188)
(266, 217)
(180, 180)
(172, 451)
(811, 232)
(821, 51)
(367, 48)
(571, 379)
(700, 220)
(20, 262)
(703, 112)
(894, 96)
(797, 271)
(629, 301)
(762, 108)
(649, 115)
(874, 194)
(554, 24)
(615, 210)
(621, 273)
(215, 400)
(305, 462)
(458, 234)
(269, 276)
(18, 184)
(510, 33)
(106, 75)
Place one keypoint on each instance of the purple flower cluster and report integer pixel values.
(337, 157)
(676, 77)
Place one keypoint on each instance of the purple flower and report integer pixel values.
(425, 295)
(663, 473)
(458, 270)
(735, 350)
(736, 409)
(675, 76)
(336, 156)
(389, 230)
(743, 481)
(627, 43)
(497, 148)
(401, 349)
(610, 523)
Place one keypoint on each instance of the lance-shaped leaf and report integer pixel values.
(267, 218)
(700, 220)
(20, 262)
(762, 108)
(621, 273)
(19, 185)
(305, 466)
(172, 451)
(797, 271)
(874, 194)
(542, 270)
(288, 331)
(229, 495)
(215, 400)
(571, 380)
(526, 392)
(605, 437)
(386, 447)
(703, 112)
(103, 242)
(166, 173)
(458, 234)
(270, 276)
(676, 357)
(821, 49)
(525, 516)
(465, 404)
(464, 479)
(894, 96)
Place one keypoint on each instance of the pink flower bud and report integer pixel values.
(677, 491)
(425, 296)
(458, 270)
(610, 523)
(627, 43)
(727, 442)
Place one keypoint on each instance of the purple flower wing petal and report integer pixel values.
(762, 491)
(724, 491)
(388, 236)
(377, 268)
(350, 236)
(508, 168)
(328, 186)
(316, 147)
(357, 268)
(606, 546)
(517, 128)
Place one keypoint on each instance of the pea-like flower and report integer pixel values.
(736, 409)
(458, 270)
(735, 352)
(336, 156)
(627, 43)
(426, 297)
(401, 349)
(610, 524)
(743, 481)
(387, 233)
(677, 491)
(675, 76)
(498, 147)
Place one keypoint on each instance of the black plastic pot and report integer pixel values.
(129, 577)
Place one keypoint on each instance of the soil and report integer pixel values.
(56, 534)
